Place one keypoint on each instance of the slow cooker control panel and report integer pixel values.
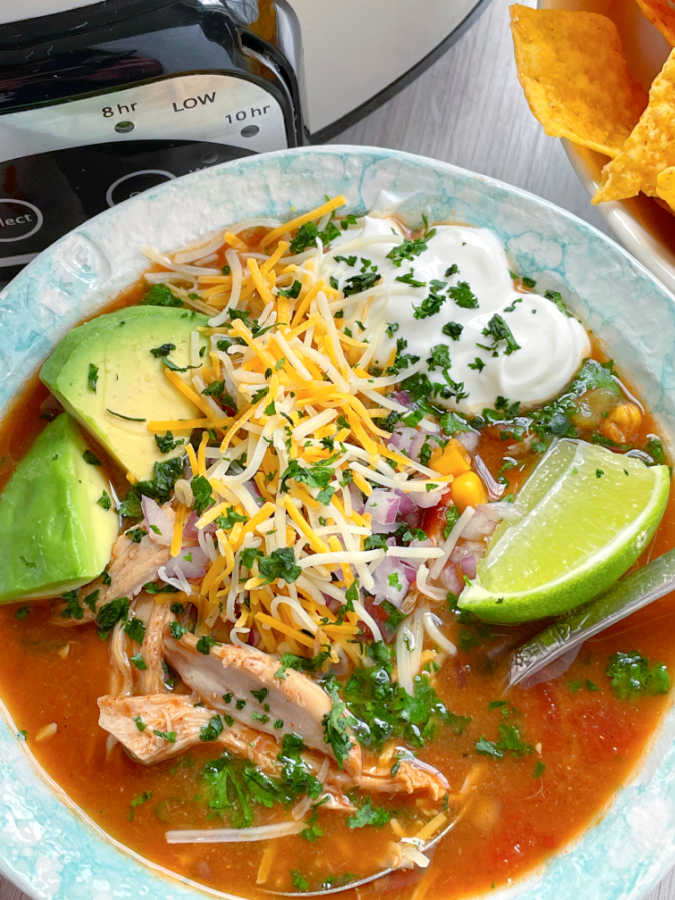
(63, 163)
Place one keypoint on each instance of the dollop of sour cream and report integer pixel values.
(454, 290)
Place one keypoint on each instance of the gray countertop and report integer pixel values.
(468, 109)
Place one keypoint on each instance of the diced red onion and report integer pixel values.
(427, 499)
(157, 518)
(402, 397)
(383, 507)
(357, 500)
(407, 440)
(194, 566)
(382, 589)
(450, 580)
(189, 530)
(469, 440)
(469, 564)
(482, 524)
(493, 487)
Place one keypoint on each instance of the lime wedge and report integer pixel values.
(586, 514)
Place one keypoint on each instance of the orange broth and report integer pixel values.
(587, 739)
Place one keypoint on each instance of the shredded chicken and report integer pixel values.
(121, 676)
(134, 721)
(131, 566)
(152, 649)
(249, 675)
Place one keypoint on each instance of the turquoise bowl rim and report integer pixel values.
(49, 847)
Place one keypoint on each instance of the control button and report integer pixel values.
(18, 219)
(135, 183)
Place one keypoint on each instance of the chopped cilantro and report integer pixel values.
(91, 458)
(631, 675)
(168, 736)
(279, 564)
(307, 234)
(499, 331)
(110, 614)
(135, 628)
(160, 295)
(162, 350)
(368, 814)
(136, 535)
(463, 296)
(299, 881)
(453, 330)
(409, 249)
(205, 643)
(139, 662)
(355, 284)
(292, 291)
(336, 724)
(104, 500)
(92, 377)
(509, 741)
(211, 731)
(202, 493)
(137, 801)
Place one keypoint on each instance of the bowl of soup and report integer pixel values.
(295, 453)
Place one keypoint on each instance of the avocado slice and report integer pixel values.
(56, 537)
(105, 375)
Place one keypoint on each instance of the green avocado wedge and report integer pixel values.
(56, 536)
(106, 375)
(583, 518)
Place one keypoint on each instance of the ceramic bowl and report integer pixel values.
(644, 228)
(49, 848)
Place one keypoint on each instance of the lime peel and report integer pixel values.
(586, 516)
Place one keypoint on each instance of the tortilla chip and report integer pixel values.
(650, 148)
(575, 77)
(665, 186)
(660, 13)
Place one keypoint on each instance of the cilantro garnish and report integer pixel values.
(509, 741)
(104, 500)
(229, 519)
(211, 731)
(336, 724)
(409, 249)
(463, 296)
(91, 458)
(307, 234)
(110, 614)
(279, 564)
(498, 330)
(355, 284)
(368, 814)
(136, 535)
(160, 295)
(137, 801)
(205, 643)
(631, 675)
(92, 377)
(162, 350)
(202, 493)
(135, 628)
(293, 291)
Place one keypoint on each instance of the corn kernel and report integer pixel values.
(451, 460)
(623, 423)
(468, 490)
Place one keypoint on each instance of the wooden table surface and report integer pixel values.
(468, 109)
